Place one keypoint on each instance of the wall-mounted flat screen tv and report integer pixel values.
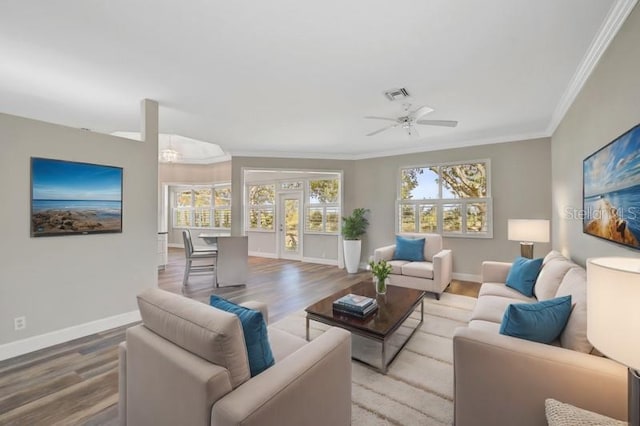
(611, 191)
(70, 198)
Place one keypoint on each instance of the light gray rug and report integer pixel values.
(418, 388)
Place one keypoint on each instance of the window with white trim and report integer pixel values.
(452, 199)
(261, 207)
(322, 212)
(202, 206)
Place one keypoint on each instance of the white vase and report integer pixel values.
(352, 250)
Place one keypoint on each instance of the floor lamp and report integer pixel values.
(528, 231)
(613, 317)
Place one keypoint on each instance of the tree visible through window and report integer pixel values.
(261, 207)
(323, 206)
(450, 198)
(202, 207)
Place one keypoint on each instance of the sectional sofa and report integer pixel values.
(503, 380)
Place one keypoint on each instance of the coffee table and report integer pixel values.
(389, 327)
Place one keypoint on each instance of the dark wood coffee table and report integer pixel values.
(380, 328)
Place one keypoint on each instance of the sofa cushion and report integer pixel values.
(283, 343)
(539, 322)
(574, 335)
(551, 276)
(500, 289)
(553, 254)
(418, 269)
(210, 333)
(411, 249)
(396, 266)
(490, 326)
(561, 414)
(255, 334)
(523, 273)
(492, 308)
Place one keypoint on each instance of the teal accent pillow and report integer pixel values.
(523, 275)
(255, 334)
(411, 249)
(539, 322)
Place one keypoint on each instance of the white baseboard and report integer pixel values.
(466, 277)
(263, 254)
(320, 260)
(30, 344)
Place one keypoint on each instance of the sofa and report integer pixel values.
(503, 380)
(432, 275)
(187, 364)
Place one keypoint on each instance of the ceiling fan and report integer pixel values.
(410, 119)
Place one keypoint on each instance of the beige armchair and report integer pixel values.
(432, 275)
(187, 364)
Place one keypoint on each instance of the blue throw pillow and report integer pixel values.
(539, 322)
(409, 249)
(523, 274)
(255, 334)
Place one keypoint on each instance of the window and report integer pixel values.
(202, 207)
(261, 207)
(452, 199)
(323, 206)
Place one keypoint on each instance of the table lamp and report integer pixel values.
(613, 317)
(528, 231)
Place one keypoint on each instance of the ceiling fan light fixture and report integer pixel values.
(396, 94)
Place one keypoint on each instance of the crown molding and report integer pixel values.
(306, 155)
(618, 14)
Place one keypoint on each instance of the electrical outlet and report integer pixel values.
(19, 323)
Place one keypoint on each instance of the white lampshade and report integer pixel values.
(613, 308)
(528, 230)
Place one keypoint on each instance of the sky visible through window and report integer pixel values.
(428, 187)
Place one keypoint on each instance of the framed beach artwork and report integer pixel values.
(611, 191)
(70, 198)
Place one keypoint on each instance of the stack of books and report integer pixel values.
(353, 304)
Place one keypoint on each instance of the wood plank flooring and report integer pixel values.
(76, 383)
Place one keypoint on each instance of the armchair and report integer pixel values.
(432, 275)
(187, 364)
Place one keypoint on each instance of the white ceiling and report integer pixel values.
(295, 78)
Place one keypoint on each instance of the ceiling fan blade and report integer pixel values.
(382, 130)
(420, 112)
(445, 123)
(370, 117)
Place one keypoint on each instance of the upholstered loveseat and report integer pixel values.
(503, 380)
(433, 274)
(187, 364)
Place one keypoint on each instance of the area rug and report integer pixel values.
(418, 388)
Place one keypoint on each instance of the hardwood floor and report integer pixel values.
(76, 383)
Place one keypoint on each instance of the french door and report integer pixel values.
(290, 225)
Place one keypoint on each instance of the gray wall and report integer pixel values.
(607, 106)
(520, 184)
(60, 282)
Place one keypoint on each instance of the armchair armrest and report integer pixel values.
(319, 371)
(442, 268)
(501, 380)
(257, 306)
(495, 272)
(385, 253)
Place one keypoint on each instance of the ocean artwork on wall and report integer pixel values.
(74, 198)
(611, 191)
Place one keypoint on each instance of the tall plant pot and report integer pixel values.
(352, 250)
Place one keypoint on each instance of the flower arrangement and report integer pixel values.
(381, 271)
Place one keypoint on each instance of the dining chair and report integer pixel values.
(191, 255)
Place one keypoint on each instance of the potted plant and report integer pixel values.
(353, 227)
(381, 271)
